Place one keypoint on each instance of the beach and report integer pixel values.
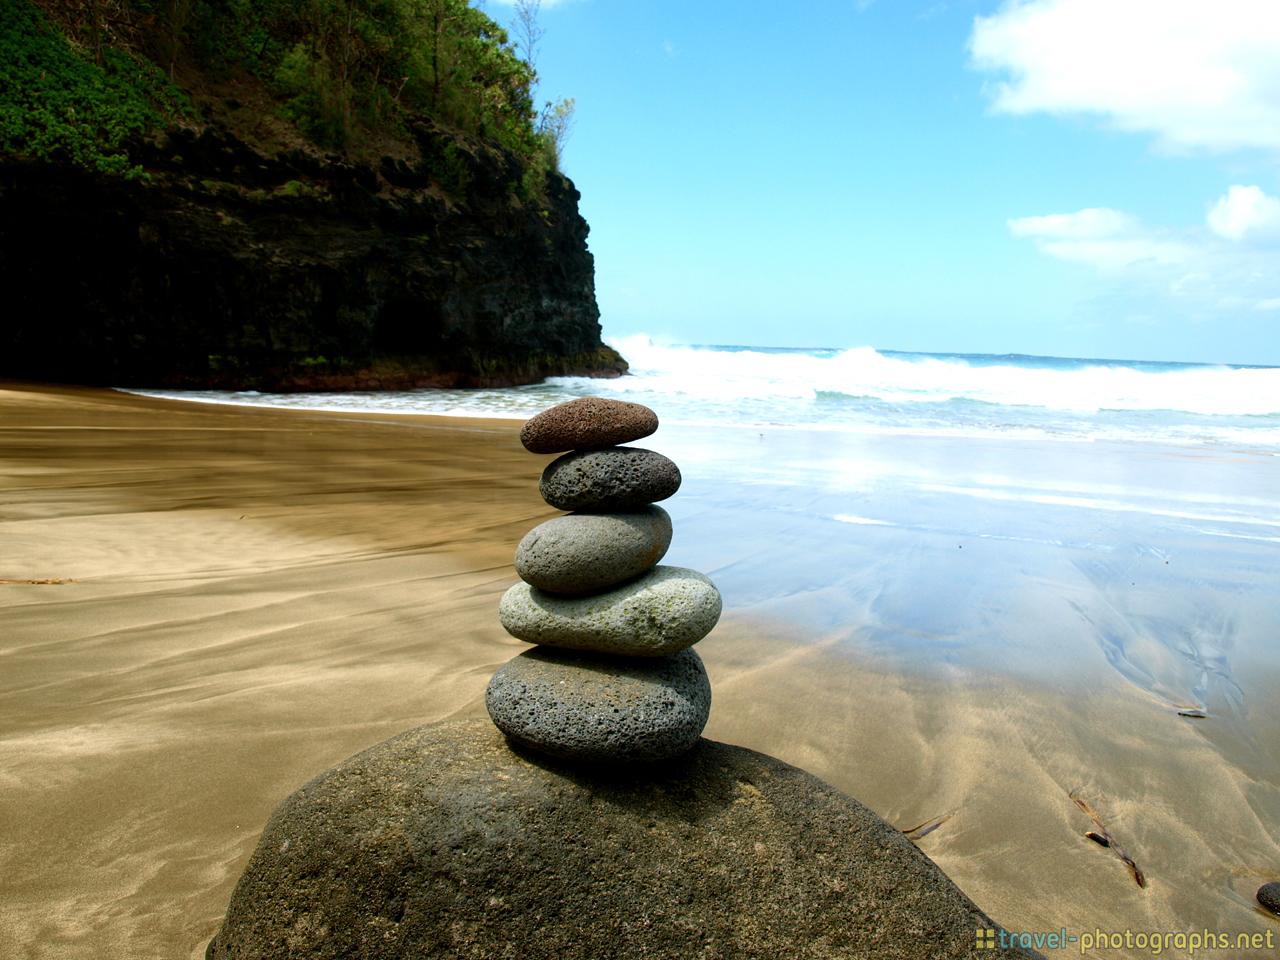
(942, 627)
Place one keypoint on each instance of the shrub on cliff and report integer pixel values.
(57, 101)
(349, 67)
(347, 73)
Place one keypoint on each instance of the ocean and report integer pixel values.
(863, 390)
(972, 586)
(903, 498)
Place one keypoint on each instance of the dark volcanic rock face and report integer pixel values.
(229, 268)
(443, 842)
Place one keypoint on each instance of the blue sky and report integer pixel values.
(1067, 177)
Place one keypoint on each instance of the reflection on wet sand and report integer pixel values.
(205, 607)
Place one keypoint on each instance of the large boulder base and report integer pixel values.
(446, 842)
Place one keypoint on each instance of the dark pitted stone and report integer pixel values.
(1269, 896)
(597, 708)
(587, 424)
(590, 552)
(616, 478)
(664, 611)
(444, 843)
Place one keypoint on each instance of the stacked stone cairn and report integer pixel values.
(612, 677)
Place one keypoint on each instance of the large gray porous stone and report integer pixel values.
(593, 707)
(587, 423)
(590, 552)
(444, 843)
(616, 478)
(662, 612)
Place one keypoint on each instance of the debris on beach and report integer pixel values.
(612, 676)
(1193, 712)
(1269, 897)
(926, 828)
(36, 583)
(1103, 837)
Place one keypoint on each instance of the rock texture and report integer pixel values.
(663, 612)
(1269, 896)
(636, 692)
(587, 423)
(444, 843)
(232, 268)
(587, 552)
(616, 478)
(588, 707)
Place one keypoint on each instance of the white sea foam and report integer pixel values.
(865, 391)
(860, 521)
(1078, 386)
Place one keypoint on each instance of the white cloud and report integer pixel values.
(1089, 224)
(1193, 72)
(1205, 267)
(1103, 238)
(1245, 212)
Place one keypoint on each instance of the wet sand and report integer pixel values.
(246, 597)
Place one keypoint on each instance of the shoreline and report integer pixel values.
(254, 595)
(1244, 445)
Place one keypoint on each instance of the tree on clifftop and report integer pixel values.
(345, 72)
(346, 64)
(556, 119)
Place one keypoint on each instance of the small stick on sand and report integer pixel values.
(1104, 838)
(926, 828)
(37, 582)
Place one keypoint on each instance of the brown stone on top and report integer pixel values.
(587, 423)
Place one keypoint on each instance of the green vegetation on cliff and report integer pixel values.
(57, 103)
(348, 75)
(347, 68)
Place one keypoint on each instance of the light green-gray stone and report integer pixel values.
(665, 611)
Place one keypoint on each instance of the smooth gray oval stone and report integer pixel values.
(586, 706)
(590, 552)
(666, 610)
(617, 478)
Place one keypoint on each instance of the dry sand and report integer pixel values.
(246, 597)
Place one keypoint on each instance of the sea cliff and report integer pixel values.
(234, 253)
